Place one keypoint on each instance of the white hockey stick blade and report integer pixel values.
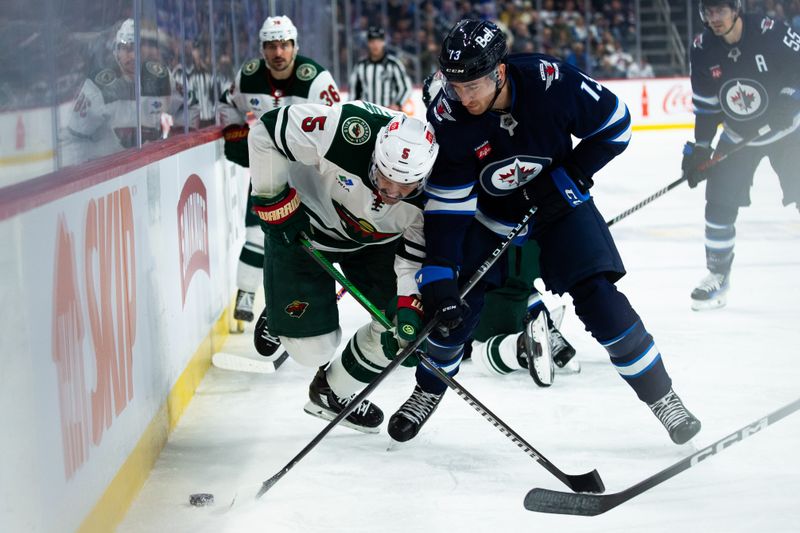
(246, 363)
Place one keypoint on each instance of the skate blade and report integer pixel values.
(319, 412)
(573, 366)
(707, 305)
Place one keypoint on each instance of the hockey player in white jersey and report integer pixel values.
(350, 177)
(105, 118)
(280, 77)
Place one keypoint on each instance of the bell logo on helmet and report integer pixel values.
(484, 39)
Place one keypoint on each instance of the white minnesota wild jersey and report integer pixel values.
(256, 91)
(331, 150)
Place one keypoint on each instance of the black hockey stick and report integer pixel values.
(407, 351)
(716, 158)
(589, 482)
(551, 501)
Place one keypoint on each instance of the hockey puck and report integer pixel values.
(201, 500)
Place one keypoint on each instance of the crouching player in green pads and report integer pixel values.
(350, 177)
(516, 331)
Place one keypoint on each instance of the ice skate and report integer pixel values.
(534, 353)
(244, 306)
(563, 353)
(324, 403)
(409, 419)
(266, 344)
(712, 292)
(679, 422)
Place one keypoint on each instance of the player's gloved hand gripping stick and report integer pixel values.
(704, 166)
(588, 482)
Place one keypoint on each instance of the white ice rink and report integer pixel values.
(731, 366)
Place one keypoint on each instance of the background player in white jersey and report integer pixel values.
(104, 118)
(745, 73)
(350, 176)
(281, 77)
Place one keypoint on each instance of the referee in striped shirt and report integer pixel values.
(380, 78)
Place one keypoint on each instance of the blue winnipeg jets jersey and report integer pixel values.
(486, 161)
(737, 84)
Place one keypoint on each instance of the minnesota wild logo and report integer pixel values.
(359, 229)
(156, 69)
(306, 72)
(356, 130)
(250, 67)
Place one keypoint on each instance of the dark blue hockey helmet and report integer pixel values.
(472, 49)
(735, 5)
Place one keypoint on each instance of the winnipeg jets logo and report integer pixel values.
(734, 54)
(504, 177)
(743, 99)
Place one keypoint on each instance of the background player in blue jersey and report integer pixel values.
(504, 126)
(745, 75)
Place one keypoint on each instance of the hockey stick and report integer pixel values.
(589, 482)
(407, 351)
(716, 158)
(551, 501)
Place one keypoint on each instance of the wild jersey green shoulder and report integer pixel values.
(342, 135)
(254, 90)
(325, 153)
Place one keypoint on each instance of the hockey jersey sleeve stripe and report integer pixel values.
(448, 193)
(498, 227)
(284, 124)
(407, 254)
(414, 246)
(624, 137)
(462, 207)
(707, 100)
(619, 114)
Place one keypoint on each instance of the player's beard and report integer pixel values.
(282, 66)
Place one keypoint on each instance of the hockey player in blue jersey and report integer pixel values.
(745, 75)
(504, 126)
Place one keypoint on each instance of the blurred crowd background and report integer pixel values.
(50, 48)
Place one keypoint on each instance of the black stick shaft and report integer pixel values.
(407, 351)
(551, 501)
(705, 166)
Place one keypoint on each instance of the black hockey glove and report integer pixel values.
(559, 191)
(786, 107)
(235, 137)
(406, 313)
(440, 296)
(695, 156)
(282, 217)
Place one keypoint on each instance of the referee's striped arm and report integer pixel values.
(401, 84)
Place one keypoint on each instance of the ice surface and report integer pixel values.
(730, 366)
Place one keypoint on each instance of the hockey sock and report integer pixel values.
(447, 358)
(609, 317)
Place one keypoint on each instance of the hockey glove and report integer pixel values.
(282, 217)
(440, 296)
(695, 156)
(559, 191)
(235, 137)
(786, 108)
(406, 313)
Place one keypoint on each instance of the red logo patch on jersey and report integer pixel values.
(394, 125)
(767, 24)
(716, 71)
(429, 136)
(296, 309)
(483, 150)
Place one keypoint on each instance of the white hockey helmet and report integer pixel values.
(278, 29)
(125, 33)
(405, 150)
